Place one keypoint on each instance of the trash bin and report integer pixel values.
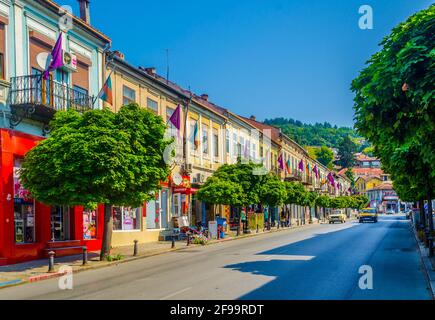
(222, 223)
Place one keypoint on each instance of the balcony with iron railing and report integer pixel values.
(294, 175)
(38, 99)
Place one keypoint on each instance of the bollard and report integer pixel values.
(51, 261)
(135, 248)
(85, 256)
(188, 238)
(173, 241)
(238, 230)
(258, 228)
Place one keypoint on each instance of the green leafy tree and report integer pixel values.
(98, 157)
(325, 156)
(221, 191)
(394, 99)
(351, 176)
(346, 152)
(272, 191)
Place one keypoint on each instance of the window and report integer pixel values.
(128, 95)
(2, 66)
(125, 218)
(2, 50)
(215, 143)
(153, 105)
(90, 224)
(227, 141)
(205, 139)
(24, 209)
(235, 144)
(242, 146)
(171, 128)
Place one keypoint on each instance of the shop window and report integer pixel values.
(24, 215)
(24, 209)
(128, 95)
(125, 218)
(90, 224)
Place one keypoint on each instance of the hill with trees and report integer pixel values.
(318, 134)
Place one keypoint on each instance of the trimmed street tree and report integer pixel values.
(272, 191)
(98, 157)
(394, 105)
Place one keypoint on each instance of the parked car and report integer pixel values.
(390, 211)
(337, 216)
(408, 214)
(368, 214)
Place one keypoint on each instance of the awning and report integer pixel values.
(185, 190)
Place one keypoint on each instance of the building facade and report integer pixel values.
(28, 33)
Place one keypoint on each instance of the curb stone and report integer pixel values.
(427, 266)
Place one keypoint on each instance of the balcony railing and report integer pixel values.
(295, 175)
(39, 98)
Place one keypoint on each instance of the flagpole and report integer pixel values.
(102, 88)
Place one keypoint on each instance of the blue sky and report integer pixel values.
(271, 58)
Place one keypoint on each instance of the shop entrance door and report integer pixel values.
(164, 209)
(60, 223)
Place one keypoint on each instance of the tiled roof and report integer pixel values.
(363, 157)
(358, 172)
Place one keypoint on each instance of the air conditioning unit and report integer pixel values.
(188, 168)
(69, 61)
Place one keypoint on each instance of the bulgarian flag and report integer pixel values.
(288, 165)
(106, 92)
(196, 135)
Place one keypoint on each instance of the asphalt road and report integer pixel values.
(315, 262)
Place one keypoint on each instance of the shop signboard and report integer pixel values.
(213, 229)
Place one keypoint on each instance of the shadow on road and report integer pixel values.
(332, 273)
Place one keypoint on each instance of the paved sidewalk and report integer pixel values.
(37, 270)
(428, 263)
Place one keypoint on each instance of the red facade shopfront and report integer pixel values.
(28, 229)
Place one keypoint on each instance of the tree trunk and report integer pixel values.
(430, 225)
(422, 214)
(107, 232)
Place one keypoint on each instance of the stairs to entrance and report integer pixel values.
(63, 248)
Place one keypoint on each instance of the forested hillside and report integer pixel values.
(319, 134)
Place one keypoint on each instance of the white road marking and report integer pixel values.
(175, 293)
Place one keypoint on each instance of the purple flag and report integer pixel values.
(56, 58)
(301, 165)
(281, 162)
(316, 172)
(175, 118)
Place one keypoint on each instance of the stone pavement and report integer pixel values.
(37, 270)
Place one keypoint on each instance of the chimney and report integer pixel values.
(204, 96)
(150, 70)
(253, 118)
(84, 11)
(119, 54)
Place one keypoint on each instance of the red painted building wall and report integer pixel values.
(15, 144)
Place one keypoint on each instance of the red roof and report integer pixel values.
(359, 172)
